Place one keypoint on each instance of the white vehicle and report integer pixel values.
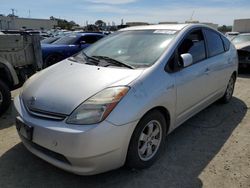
(115, 102)
(20, 57)
(231, 35)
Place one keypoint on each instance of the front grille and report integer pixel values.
(47, 152)
(46, 115)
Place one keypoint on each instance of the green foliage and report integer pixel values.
(100, 23)
(64, 24)
(225, 28)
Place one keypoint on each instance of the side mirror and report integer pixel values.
(82, 42)
(187, 59)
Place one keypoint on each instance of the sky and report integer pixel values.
(222, 12)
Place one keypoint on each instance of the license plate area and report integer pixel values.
(24, 130)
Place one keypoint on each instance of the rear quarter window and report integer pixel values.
(214, 43)
(226, 43)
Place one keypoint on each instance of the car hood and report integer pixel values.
(243, 46)
(51, 46)
(64, 86)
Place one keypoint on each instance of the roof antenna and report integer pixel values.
(191, 18)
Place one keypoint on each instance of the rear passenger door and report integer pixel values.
(217, 62)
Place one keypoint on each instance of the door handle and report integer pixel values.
(170, 87)
(207, 71)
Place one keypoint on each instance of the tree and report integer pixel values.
(100, 24)
(64, 24)
(225, 28)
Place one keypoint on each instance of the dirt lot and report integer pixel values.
(210, 150)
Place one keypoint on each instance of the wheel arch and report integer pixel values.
(164, 111)
(235, 74)
(8, 74)
(127, 161)
(52, 54)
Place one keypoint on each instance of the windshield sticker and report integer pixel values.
(169, 32)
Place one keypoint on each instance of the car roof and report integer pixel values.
(244, 34)
(87, 33)
(176, 27)
(232, 32)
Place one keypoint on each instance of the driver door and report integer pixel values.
(191, 85)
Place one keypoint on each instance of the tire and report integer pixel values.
(5, 97)
(52, 59)
(229, 91)
(138, 156)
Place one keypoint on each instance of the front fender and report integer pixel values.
(152, 91)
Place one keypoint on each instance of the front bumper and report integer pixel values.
(244, 58)
(81, 149)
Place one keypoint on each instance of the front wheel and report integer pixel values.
(52, 59)
(147, 142)
(5, 97)
(229, 91)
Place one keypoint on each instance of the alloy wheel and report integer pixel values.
(149, 140)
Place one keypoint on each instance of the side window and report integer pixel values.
(89, 39)
(195, 45)
(98, 37)
(214, 43)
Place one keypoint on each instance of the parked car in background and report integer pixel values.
(49, 40)
(20, 57)
(44, 35)
(231, 35)
(61, 33)
(115, 102)
(242, 44)
(67, 46)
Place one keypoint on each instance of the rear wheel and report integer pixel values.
(229, 91)
(147, 142)
(5, 97)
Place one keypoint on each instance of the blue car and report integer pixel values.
(67, 46)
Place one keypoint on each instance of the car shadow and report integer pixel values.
(190, 149)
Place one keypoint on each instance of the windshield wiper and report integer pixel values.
(113, 61)
(93, 59)
(72, 59)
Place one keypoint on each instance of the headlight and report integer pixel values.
(98, 107)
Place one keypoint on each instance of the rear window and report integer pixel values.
(214, 43)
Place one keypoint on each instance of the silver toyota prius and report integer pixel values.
(115, 102)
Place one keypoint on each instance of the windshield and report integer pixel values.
(49, 40)
(241, 38)
(136, 48)
(67, 40)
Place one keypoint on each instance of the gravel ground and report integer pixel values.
(210, 150)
